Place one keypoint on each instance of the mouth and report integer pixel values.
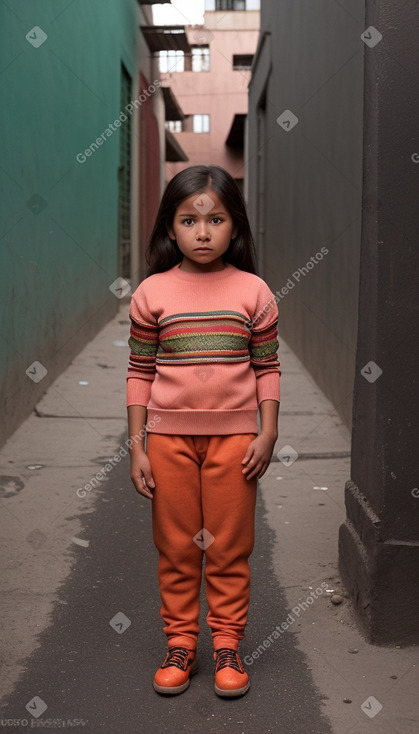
(202, 249)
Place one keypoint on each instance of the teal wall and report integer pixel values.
(56, 265)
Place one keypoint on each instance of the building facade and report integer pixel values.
(210, 82)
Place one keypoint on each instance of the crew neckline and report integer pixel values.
(213, 275)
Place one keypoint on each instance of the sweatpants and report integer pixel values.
(202, 504)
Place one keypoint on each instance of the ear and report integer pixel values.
(171, 233)
(234, 233)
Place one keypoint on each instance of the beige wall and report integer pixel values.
(221, 92)
(234, 20)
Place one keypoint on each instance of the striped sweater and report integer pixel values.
(203, 351)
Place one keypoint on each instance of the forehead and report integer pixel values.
(205, 201)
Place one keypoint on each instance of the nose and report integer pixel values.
(202, 230)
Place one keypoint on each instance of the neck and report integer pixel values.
(191, 267)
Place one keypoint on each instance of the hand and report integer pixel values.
(141, 475)
(258, 456)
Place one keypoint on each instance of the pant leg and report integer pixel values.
(176, 518)
(228, 505)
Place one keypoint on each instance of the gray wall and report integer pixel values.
(305, 184)
(379, 540)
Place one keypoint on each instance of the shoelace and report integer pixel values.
(227, 658)
(176, 656)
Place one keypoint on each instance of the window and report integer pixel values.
(230, 4)
(175, 126)
(171, 61)
(200, 58)
(242, 62)
(196, 124)
(201, 123)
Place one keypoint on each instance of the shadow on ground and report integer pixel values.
(85, 670)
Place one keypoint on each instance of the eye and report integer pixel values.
(188, 221)
(217, 220)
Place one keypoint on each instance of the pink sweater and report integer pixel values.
(203, 351)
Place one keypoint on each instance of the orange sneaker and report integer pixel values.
(230, 678)
(174, 674)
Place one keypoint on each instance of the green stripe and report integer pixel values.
(179, 359)
(142, 349)
(264, 350)
(204, 343)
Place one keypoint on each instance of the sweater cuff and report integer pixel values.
(138, 391)
(267, 386)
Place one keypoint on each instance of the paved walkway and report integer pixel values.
(81, 631)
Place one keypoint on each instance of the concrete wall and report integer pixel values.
(220, 92)
(379, 541)
(59, 217)
(305, 181)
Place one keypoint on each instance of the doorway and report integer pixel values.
(124, 182)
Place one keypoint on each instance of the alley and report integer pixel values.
(311, 110)
(82, 634)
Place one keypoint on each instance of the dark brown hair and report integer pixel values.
(163, 252)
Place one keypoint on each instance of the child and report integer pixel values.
(203, 358)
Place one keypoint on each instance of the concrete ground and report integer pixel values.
(81, 631)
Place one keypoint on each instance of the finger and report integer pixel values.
(263, 470)
(147, 482)
(253, 473)
(148, 477)
(140, 485)
(249, 453)
(253, 464)
(143, 489)
(247, 471)
(249, 458)
(258, 469)
(145, 493)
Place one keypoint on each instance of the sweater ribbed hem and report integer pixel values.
(201, 422)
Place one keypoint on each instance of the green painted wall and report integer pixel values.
(56, 264)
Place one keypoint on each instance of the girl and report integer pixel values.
(203, 359)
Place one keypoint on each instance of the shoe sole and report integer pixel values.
(230, 693)
(174, 690)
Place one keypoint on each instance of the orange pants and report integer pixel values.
(202, 504)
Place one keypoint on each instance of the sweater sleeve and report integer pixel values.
(143, 342)
(263, 346)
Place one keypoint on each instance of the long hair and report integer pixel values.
(163, 252)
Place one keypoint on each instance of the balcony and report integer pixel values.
(166, 38)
